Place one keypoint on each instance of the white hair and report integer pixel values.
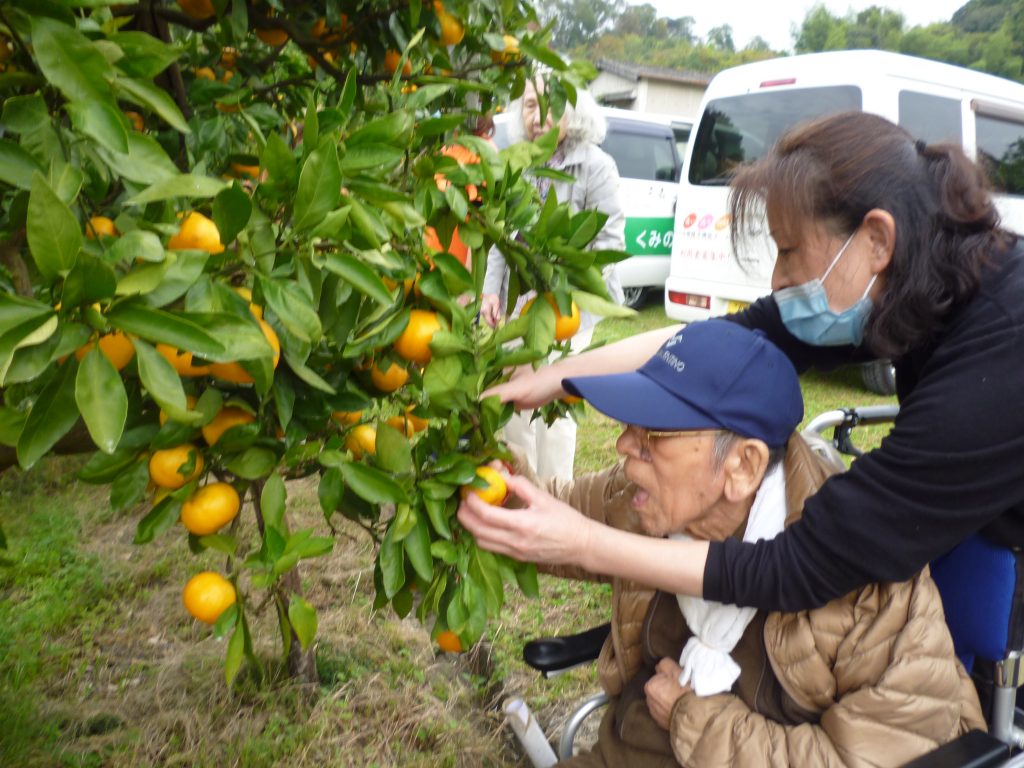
(584, 122)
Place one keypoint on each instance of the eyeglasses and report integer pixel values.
(647, 434)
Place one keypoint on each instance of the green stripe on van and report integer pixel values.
(649, 236)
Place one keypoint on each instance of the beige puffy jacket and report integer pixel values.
(876, 666)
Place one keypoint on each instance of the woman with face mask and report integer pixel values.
(887, 248)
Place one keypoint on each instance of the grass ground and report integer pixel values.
(100, 665)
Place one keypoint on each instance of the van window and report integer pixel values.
(931, 118)
(642, 154)
(740, 129)
(1001, 152)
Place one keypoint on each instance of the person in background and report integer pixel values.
(595, 186)
(710, 454)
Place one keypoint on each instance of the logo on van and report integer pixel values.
(689, 220)
(723, 222)
(705, 221)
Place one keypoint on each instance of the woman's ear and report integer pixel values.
(880, 227)
(745, 468)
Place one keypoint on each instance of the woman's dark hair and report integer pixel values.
(837, 168)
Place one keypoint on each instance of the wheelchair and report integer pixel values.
(982, 589)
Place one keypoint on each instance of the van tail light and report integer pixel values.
(690, 299)
(773, 83)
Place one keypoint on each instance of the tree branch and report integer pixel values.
(10, 257)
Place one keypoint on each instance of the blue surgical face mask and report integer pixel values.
(806, 314)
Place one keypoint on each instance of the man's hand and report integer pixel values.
(490, 309)
(663, 691)
(528, 388)
(545, 530)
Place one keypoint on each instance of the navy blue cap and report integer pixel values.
(713, 374)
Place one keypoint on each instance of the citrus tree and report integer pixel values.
(244, 242)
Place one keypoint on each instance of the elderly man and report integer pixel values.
(710, 452)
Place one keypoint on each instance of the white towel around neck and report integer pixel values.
(707, 666)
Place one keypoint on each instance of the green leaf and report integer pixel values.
(372, 484)
(255, 463)
(90, 280)
(219, 542)
(330, 491)
(235, 654)
(163, 384)
(293, 308)
(437, 510)
(32, 333)
(358, 159)
(101, 399)
(53, 414)
(25, 114)
(145, 56)
(184, 185)
(70, 61)
(16, 165)
(232, 210)
(158, 326)
(154, 98)
(302, 617)
(279, 161)
(129, 487)
(176, 275)
(526, 576)
(101, 122)
(394, 453)
(272, 501)
(319, 187)
(392, 564)
(442, 378)
(15, 310)
(160, 518)
(361, 277)
(348, 93)
(137, 244)
(393, 128)
(11, 423)
(145, 163)
(588, 302)
(417, 546)
(53, 234)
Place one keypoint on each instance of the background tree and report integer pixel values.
(578, 22)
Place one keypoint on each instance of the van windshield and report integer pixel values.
(648, 154)
(740, 129)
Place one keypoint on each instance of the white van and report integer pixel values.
(744, 111)
(645, 148)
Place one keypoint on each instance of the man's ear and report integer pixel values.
(745, 468)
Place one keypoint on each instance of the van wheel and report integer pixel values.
(879, 377)
(634, 296)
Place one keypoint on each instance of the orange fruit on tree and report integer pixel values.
(347, 417)
(234, 372)
(565, 325)
(392, 284)
(210, 508)
(207, 595)
(228, 57)
(272, 37)
(225, 419)
(99, 227)
(456, 248)
(206, 73)
(496, 491)
(362, 440)
(181, 361)
(414, 342)
(197, 232)
(391, 59)
(408, 422)
(190, 399)
(197, 9)
(137, 121)
(388, 380)
(165, 465)
(244, 170)
(449, 642)
(571, 399)
(463, 156)
(510, 53)
(115, 346)
(246, 294)
(452, 30)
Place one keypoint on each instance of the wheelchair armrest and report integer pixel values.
(975, 749)
(552, 655)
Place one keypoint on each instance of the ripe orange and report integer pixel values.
(414, 342)
(100, 227)
(272, 37)
(246, 294)
(210, 508)
(391, 59)
(565, 326)
(190, 399)
(391, 379)
(164, 465)
(206, 73)
(244, 171)
(408, 422)
(496, 491)
(510, 53)
(225, 419)
(181, 361)
(362, 440)
(207, 595)
(137, 121)
(115, 346)
(228, 57)
(571, 399)
(452, 30)
(234, 372)
(347, 417)
(197, 9)
(449, 642)
(197, 232)
(456, 248)
(406, 284)
(463, 156)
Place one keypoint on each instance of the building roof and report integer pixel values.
(635, 72)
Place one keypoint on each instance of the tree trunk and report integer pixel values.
(301, 664)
